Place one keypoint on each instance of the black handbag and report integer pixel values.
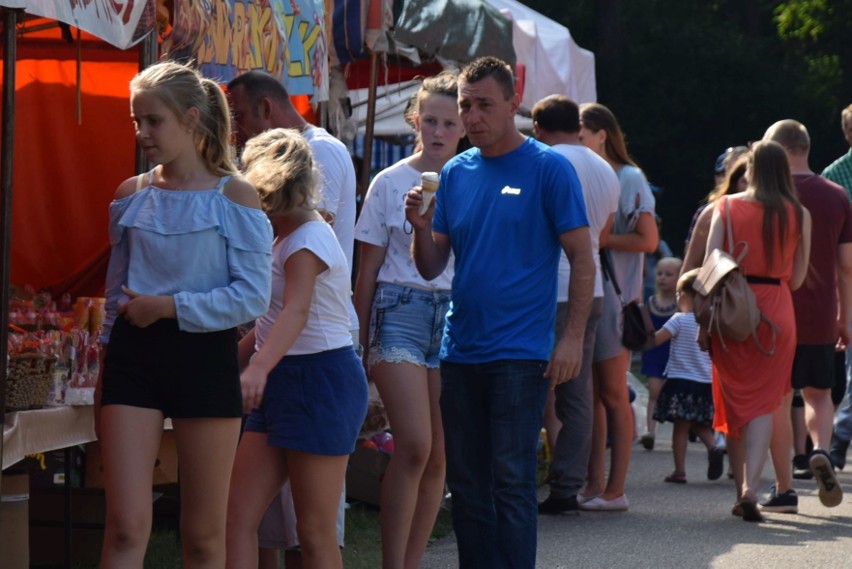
(638, 329)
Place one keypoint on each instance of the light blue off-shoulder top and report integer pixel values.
(212, 255)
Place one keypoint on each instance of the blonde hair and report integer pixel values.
(182, 88)
(686, 282)
(280, 165)
(676, 261)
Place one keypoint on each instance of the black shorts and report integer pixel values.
(183, 374)
(813, 366)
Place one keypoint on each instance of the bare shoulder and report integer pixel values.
(127, 187)
(241, 192)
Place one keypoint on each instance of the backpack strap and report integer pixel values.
(729, 230)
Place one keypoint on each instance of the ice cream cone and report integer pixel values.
(429, 185)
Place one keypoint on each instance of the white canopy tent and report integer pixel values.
(553, 61)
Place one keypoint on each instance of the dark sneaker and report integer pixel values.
(802, 468)
(830, 492)
(647, 441)
(837, 452)
(559, 506)
(786, 503)
(715, 463)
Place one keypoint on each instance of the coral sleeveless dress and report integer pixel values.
(746, 382)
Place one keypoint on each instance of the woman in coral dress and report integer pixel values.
(749, 384)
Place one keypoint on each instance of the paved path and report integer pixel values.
(686, 526)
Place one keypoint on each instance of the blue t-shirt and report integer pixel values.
(503, 216)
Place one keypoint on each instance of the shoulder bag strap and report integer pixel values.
(609, 272)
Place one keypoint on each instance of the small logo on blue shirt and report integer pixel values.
(511, 191)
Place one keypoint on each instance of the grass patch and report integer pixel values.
(363, 540)
(363, 535)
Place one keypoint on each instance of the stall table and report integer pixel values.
(43, 430)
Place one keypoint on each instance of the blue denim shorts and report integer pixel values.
(407, 325)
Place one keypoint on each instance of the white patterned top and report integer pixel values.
(382, 223)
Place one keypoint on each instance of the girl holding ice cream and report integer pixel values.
(402, 321)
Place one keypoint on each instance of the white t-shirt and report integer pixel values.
(686, 360)
(382, 223)
(600, 192)
(327, 327)
(338, 191)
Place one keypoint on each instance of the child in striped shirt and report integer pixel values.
(686, 399)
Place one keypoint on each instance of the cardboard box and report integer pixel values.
(165, 468)
(47, 526)
(14, 521)
(364, 474)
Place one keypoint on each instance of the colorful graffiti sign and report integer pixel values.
(227, 37)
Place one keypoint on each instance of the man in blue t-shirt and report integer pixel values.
(507, 208)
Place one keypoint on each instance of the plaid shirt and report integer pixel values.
(840, 172)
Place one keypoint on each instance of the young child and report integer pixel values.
(686, 398)
(301, 381)
(662, 304)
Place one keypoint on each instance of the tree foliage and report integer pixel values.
(689, 78)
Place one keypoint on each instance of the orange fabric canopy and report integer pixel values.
(65, 171)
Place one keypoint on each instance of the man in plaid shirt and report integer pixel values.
(840, 171)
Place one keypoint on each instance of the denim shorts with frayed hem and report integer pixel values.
(407, 325)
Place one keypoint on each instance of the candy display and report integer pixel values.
(54, 354)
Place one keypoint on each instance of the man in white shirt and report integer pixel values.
(568, 410)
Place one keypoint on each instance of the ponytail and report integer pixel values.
(214, 131)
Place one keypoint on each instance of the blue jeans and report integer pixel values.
(843, 419)
(492, 420)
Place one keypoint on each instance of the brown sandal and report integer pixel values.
(676, 478)
(750, 511)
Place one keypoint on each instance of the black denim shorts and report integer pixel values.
(183, 374)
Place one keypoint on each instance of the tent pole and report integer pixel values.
(148, 53)
(7, 133)
(371, 119)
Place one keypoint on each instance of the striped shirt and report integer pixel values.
(686, 360)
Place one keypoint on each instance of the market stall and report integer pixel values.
(66, 69)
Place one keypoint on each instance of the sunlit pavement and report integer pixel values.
(686, 526)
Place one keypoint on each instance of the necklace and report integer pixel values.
(668, 309)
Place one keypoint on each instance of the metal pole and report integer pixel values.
(371, 119)
(7, 135)
(148, 54)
